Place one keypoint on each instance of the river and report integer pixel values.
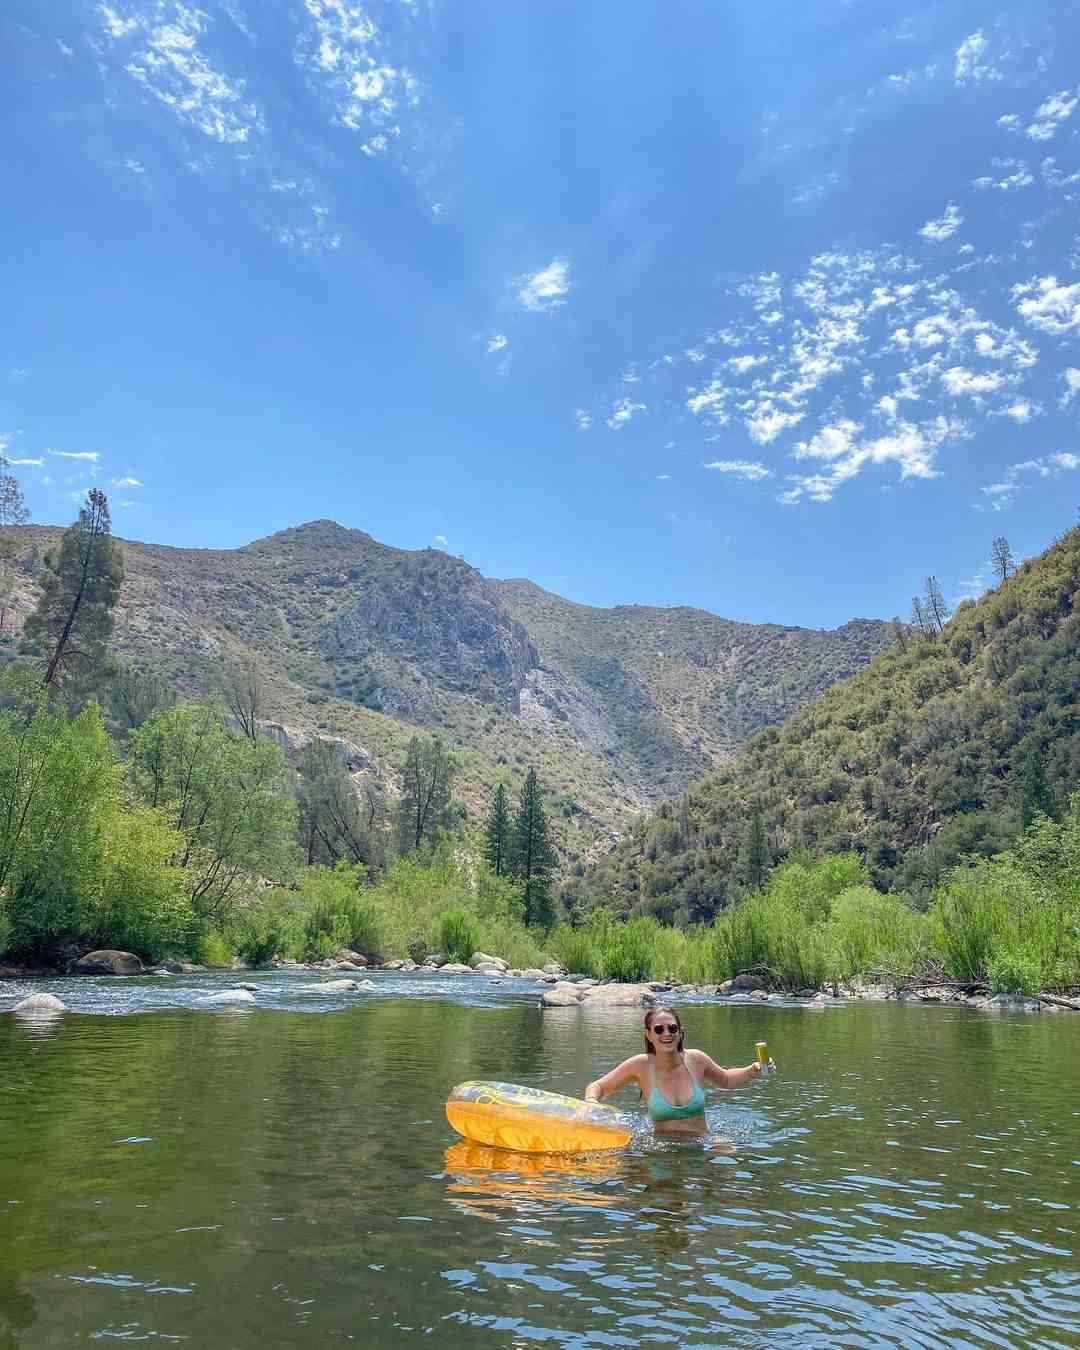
(283, 1175)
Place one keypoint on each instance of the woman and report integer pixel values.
(671, 1080)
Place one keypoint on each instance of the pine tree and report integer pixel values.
(758, 859)
(1032, 789)
(534, 858)
(1001, 558)
(74, 618)
(497, 834)
(920, 619)
(425, 805)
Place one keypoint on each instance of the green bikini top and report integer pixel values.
(659, 1108)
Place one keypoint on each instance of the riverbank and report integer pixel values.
(350, 973)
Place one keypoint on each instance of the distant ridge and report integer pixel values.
(617, 708)
(923, 757)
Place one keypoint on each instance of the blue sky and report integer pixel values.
(768, 308)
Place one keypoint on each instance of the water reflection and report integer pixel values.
(486, 1181)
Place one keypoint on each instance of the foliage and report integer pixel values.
(497, 833)
(335, 911)
(425, 805)
(73, 619)
(334, 822)
(930, 755)
(458, 934)
(1014, 920)
(533, 858)
(225, 794)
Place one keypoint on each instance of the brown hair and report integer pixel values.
(650, 1049)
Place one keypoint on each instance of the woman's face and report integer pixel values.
(664, 1030)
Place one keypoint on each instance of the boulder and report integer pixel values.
(346, 954)
(251, 988)
(583, 981)
(554, 968)
(531, 973)
(107, 962)
(744, 984)
(435, 959)
(487, 968)
(330, 987)
(39, 1003)
(482, 959)
(230, 996)
(395, 964)
(1009, 1003)
(616, 995)
(560, 998)
(455, 968)
(190, 968)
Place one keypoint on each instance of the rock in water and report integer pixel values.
(332, 987)
(108, 962)
(617, 996)
(231, 996)
(40, 1003)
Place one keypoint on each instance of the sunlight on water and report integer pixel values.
(254, 1178)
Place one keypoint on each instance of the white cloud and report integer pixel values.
(1002, 494)
(711, 400)
(1022, 411)
(92, 456)
(768, 423)
(346, 51)
(913, 447)
(547, 289)
(17, 374)
(1050, 114)
(958, 381)
(623, 411)
(497, 342)
(971, 64)
(126, 482)
(1071, 376)
(751, 470)
(166, 61)
(440, 541)
(744, 363)
(662, 477)
(944, 227)
(1049, 306)
(46, 481)
(583, 417)
(33, 463)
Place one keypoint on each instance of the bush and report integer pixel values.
(212, 948)
(458, 936)
(333, 912)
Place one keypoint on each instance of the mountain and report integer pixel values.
(936, 750)
(617, 708)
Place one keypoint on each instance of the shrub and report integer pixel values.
(458, 936)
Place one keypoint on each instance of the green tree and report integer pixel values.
(73, 620)
(13, 509)
(425, 806)
(227, 796)
(758, 858)
(533, 856)
(133, 696)
(337, 822)
(1032, 790)
(239, 686)
(497, 833)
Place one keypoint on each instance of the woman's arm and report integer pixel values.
(711, 1072)
(629, 1071)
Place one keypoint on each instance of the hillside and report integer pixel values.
(618, 709)
(928, 754)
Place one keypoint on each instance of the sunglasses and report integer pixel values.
(665, 1028)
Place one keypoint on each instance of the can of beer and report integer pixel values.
(762, 1049)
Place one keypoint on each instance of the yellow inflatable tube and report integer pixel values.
(531, 1120)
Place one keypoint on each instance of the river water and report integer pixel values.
(283, 1175)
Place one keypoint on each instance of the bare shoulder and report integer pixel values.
(700, 1060)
